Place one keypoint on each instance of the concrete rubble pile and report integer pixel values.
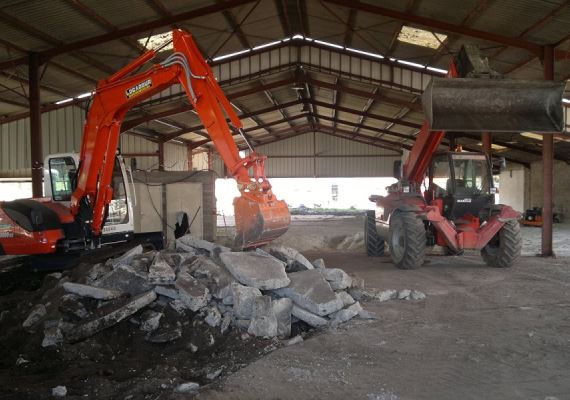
(261, 292)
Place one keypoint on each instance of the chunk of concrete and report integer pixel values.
(97, 271)
(37, 313)
(364, 314)
(216, 278)
(404, 294)
(346, 299)
(417, 295)
(319, 263)
(72, 307)
(165, 335)
(282, 310)
(115, 316)
(226, 322)
(295, 261)
(52, 333)
(167, 291)
(192, 293)
(178, 306)
(296, 340)
(309, 290)
(187, 388)
(255, 270)
(91, 291)
(59, 391)
(150, 320)
(346, 313)
(263, 320)
(126, 258)
(213, 317)
(337, 278)
(160, 272)
(243, 298)
(386, 295)
(191, 244)
(308, 317)
(242, 324)
(126, 279)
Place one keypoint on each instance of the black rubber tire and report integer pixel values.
(373, 242)
(407, 240)
(504, 249)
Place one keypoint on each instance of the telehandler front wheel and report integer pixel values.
(407, 236)
(505, 247)
(374, 243)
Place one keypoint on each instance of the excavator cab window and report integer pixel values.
(61, 173)
(118, 207)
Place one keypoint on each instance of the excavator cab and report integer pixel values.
(460, 184)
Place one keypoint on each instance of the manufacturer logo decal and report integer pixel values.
(6, 231)
(467, 200)
(138, 88)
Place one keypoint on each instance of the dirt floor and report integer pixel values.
(480, 333)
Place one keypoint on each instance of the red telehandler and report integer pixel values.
(456, 208)
(46, 226)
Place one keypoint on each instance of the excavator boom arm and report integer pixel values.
(116, 95)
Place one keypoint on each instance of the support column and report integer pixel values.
(35, 124)
(486, 141)
(161, 156)
(189, 154)
(452, 141)
(547, 166)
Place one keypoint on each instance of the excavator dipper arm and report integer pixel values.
(260, 217)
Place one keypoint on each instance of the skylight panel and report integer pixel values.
(156, 41)
(420, 37)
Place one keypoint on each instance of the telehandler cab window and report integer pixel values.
(441, 176)
(471, 176)
(61, 170)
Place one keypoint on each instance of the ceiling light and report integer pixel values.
(439, 70)
(366, 53)
(156, 41)
(262, 46)
(237, 53)
(84, 95)
(531, 135)
(567, 101)
(495, 146)
(336, 46)
(420, 37)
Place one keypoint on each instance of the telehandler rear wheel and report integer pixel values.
(407, 240)
(505, 247)
(373, 241)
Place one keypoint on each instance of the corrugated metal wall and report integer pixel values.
(319, 155)
(62, 130)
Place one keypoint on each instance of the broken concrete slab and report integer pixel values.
(168, 291)
(160, 272)
(92, 292)
(178, 306)
(309, 290)
(59, 391)
(364, 314)
(308, 317)
(295, 261)
(263, 320)
(319, 263)
(96, 272)
(282, 310)
(226, 322)
(126, 258)
(385, 295)
(346, 299)
(191, 244)
(242, 324)
(255, 270)
(37, 313)
(216, 278)
(176, 259)
(337, 278)
(150, 320)
(193, 293)
(346, 313)
(243, 298)
(296, 340)
(213, 317)
(118, 314)
(126, 279)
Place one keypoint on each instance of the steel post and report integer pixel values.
(547, 166)
(486, 141)
(35, 124)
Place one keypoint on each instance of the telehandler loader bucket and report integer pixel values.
(503, 105)
(259, 221)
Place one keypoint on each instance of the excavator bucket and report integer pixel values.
(494, 105)
(259, 222)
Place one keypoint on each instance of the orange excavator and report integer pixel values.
(45, 226)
